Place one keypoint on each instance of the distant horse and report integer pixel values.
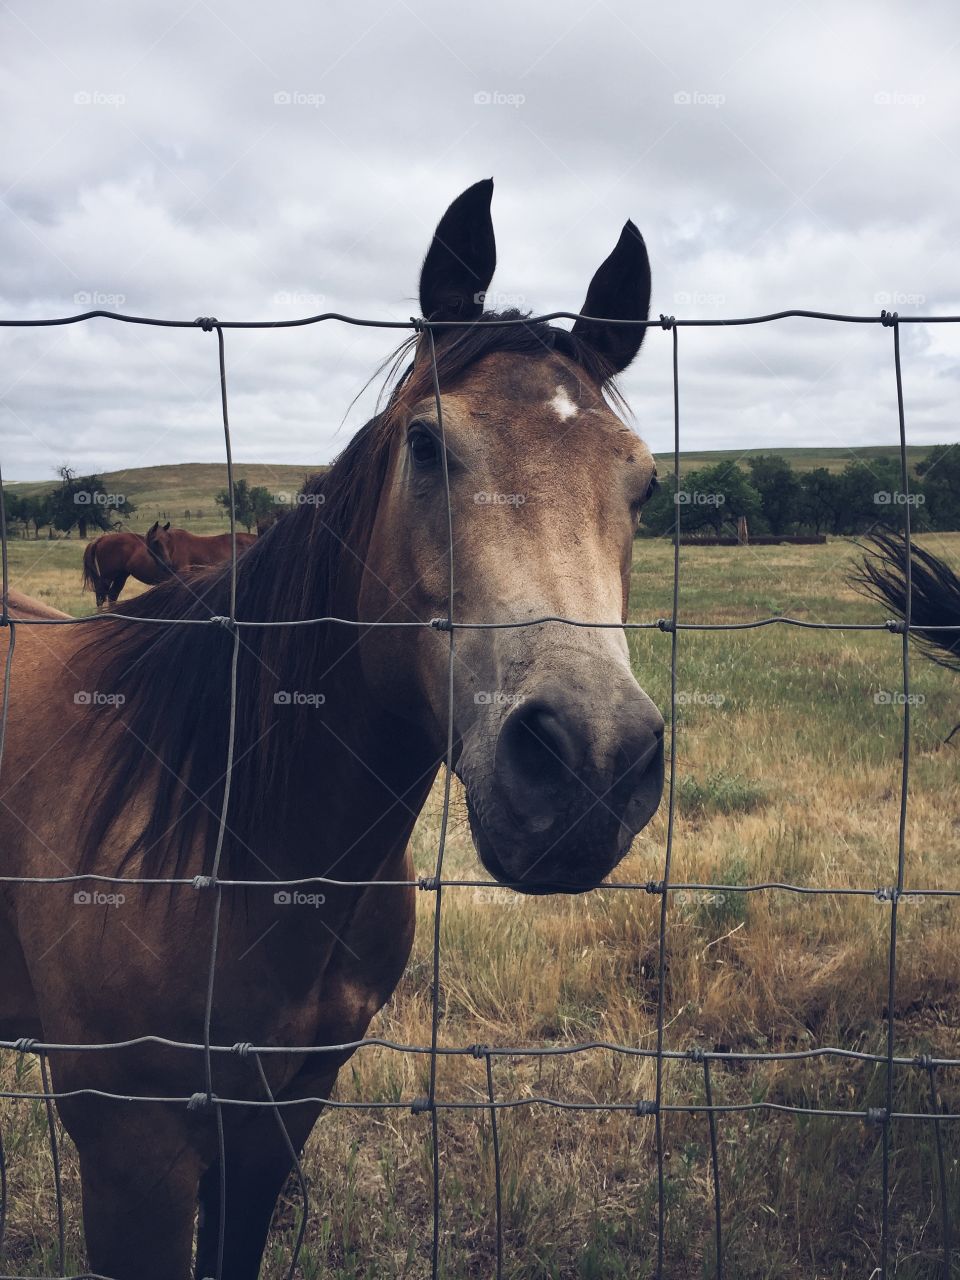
(339, 731)
(112, 558)
(180, 550)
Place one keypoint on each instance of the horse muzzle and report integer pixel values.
(574, 779)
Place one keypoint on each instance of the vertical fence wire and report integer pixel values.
(671, 815)
(444, 819)
(945, 1217)
(714, 1168)
(497, 1173)
(294, 1160)
(57, 1174)
(213, 882)
(897, 893)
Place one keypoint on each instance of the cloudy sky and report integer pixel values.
(259, 161)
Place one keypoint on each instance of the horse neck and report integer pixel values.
(345, 777)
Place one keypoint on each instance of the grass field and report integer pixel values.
(788, 768)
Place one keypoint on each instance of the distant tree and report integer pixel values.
(819, 499)
(36, 510)
(868, 493)
(249, 503)
(83, 501)
(12, 509)
(939, 475)
(711, 498)
(779, 488)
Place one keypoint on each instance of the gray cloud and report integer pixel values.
(266, 161)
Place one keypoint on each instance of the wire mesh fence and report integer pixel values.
(654, 1108)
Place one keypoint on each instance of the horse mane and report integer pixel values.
(175, 680)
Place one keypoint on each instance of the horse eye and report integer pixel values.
(652, 488)
(423, 447)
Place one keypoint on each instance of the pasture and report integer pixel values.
(788, 767)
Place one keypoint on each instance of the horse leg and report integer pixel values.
(139, 1184)
(115, 587)
(257, 1166)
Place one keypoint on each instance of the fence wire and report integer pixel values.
(208, 1101)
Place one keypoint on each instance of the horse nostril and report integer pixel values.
(540, 742)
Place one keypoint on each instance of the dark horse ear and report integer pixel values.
(153, 528)
(461, 259)
(619, 291)
(166, 526)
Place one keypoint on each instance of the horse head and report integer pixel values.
(559, 749)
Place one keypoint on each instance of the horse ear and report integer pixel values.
(153, 528)
(461, 259)
(166, 526)
(619, 291)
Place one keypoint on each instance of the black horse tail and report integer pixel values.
(91, 570)
(935, 593)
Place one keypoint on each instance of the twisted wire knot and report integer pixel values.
(206, 323)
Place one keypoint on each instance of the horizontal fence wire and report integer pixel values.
(896, 897)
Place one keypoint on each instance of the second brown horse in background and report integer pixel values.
(178, 549)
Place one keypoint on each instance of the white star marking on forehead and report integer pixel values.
(562, 405)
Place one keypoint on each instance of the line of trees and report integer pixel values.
(778, 500)
(78, 502)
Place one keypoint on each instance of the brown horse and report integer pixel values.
(340, 731)
(180, 550)
(112, 558)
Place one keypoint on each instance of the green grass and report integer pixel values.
(789, 770)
